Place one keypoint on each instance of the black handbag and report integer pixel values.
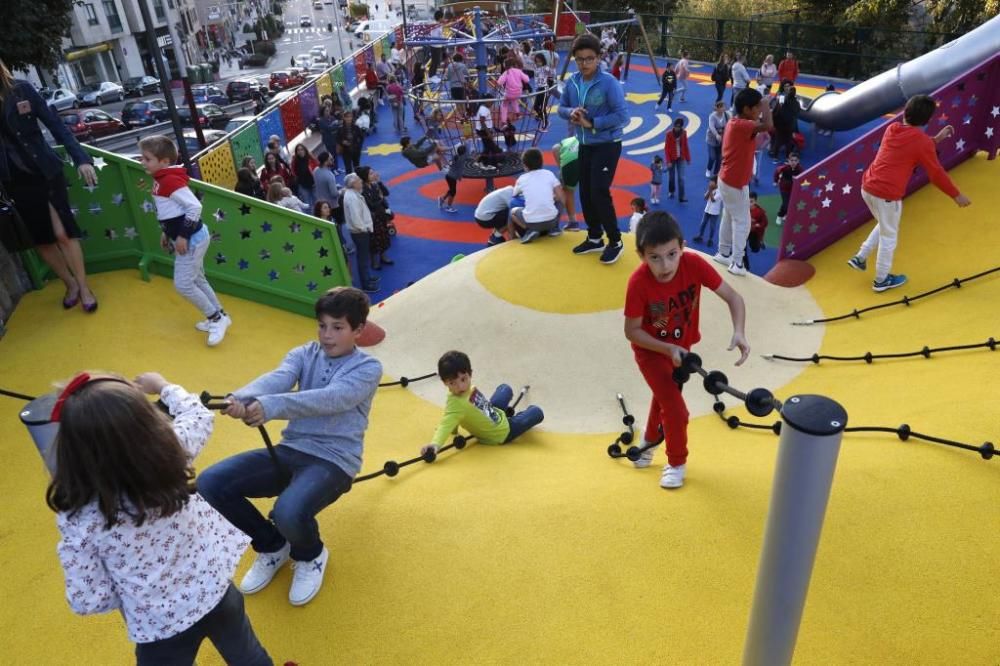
(14, 233)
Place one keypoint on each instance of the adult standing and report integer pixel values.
(349, 141)
(31, 174)
(594, 104)
(786, 122)
(358, 219)
(715, 130)
(720, 76)
(788, 69)
(328, 124)
(375, 192)
(326, 184)
(767, 74)
(740, 76)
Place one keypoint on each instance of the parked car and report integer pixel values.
(318, 5)
(99, 93)
(305, 21)
(94, 122)
(371, 30)
(209, 115)
(141, 85)
(61, 99)
(191, 139)
(209, 94)
(237, 122)
(149, 112)
(286, 78)
(319, 52)
(241, 90)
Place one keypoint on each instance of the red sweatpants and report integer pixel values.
(667, 408)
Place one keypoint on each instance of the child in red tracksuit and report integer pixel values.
(678, 153)
(662, 304)
(758, 225)
(784, 178)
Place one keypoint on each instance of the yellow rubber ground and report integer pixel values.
(549, 552)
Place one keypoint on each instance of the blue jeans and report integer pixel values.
(226, 625)
(362, 255)
(315, 484)
(675, 175)
(521, 422)
(714, 159)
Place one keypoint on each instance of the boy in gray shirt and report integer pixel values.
(320, 450)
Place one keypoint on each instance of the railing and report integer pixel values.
(840, 51)
(826, 202)
(259, 251)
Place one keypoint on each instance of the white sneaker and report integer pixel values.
(779, 221)
(646, 459)
(708, 173)
(263, 570)
(217, 329)
(673, 477)
(204, 325)
(307, 579)
(723, 259)
(737, 270)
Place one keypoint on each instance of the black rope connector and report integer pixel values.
(868, 357)
(992, 344)
(760, 402)
(926, 352)
(987, 450)
(904, 432)
(406, 381)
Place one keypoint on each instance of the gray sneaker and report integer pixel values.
(529, 236)
(857, 263)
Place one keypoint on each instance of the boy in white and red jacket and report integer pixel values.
(678, 156)
(904, 146)
(179, 214)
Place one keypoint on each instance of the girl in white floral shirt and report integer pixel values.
(136, 537)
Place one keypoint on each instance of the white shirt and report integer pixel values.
(495, 202)
(539, 199)
(713, 205)
(484, 114)
(633, 221)
(397, 56)
(166, 574)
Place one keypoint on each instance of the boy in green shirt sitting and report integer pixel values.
(466, 407)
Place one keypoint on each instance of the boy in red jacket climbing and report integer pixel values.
(904, 146)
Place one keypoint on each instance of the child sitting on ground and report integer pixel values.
(662, 334)
(135, 536)
(179, 214)
(541, 191)
(713, 209)
(468, 408)
(638, 210)
(320, 449)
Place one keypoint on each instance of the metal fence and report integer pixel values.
(843, 51)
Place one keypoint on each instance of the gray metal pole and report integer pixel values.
(807, 457)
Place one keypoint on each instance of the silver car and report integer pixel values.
(96, 94)
(61, 99)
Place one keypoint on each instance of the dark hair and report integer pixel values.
(532, 159)
(657, 228)
(438, 15)
(114, 447)
(452, 364)
(318, 208)
(510, 63)
(349, 303)
(639, 203)
(919, 109)
(679, 121)
(461, 150)
(323, 158)
(457, 58)
(584, 42)
(363, 172)
(540, 58)
(404, 142)
(748, 97)
(245, 176)
(753, 195)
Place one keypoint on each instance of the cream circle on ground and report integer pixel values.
(564, 338)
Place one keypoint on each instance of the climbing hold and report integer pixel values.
(760, 402)
(904, 432)
(626, 437)
(459, 442)
(391, 468)
(714, 381)
(614, 450)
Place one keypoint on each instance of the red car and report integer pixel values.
(286, 78)
(91, 123)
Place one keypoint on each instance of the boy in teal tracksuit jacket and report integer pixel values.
(594, 104)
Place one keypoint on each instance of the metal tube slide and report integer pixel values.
(889, 90)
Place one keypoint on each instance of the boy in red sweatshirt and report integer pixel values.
(662, 304)
(904, 146)
(678, 152)
(788, 69)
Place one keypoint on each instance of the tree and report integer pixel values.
(33, 32)
(959, 16)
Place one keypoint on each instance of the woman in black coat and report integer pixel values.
(31, 173)
(786, 121)
(375, 193)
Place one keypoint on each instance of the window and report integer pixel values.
(170, 3)
(111, 11)
(91, 14)
(158, 9)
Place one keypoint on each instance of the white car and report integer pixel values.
(303, 60)
(96, 94)
(319, 54)
(318, 5)
(61, 99)
(305, 21)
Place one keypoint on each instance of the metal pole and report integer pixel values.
(185, 81)
(807, 457)
(161, 69)
(481, 58)
(340, 29)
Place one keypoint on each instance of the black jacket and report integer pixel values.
(24, 128)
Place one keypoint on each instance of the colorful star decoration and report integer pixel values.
(220, 258)
(219, 215)
(131, 233)
(266, 227)
(244, 209)
(243, 264)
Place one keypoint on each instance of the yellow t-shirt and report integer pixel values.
(473, 412)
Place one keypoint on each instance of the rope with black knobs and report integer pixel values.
(986, 450)
(956, 283)
(869, 357)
